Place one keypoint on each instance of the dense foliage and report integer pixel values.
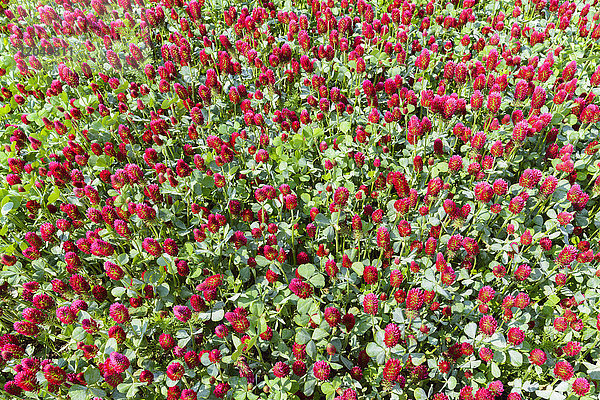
(300, 199)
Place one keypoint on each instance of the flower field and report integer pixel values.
(300, 199)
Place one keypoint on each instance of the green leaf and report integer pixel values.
(516, 358)
(306, 270)
(97, 392)
(304, 306)
(327, 388)
(78, 392)
(302, 337)
(257, 308)
(297, 141)
(162, 262)
(54, 195)
(345, 126)
(544, 394)
(471, 330)
(7, 207)
(376, 351)
(311, 349)
(122, 259)
(495, 370)
(110, 346)
(262, 261)
(498, 340)
(139, 326)
(420, 394)
(241, 346)
(358, 267)
(218, 314)
(322, 220)
(553, 300)
(557, 396)
(167, 102)
(4, 110)
(133, 389)
(452, 383)
(572, 119)
(92, 375)
(78, 334)
(240, 395)
(319, 334)
(318, 280)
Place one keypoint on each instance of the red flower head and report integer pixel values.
(537, 357)
(341, 195)
(118, 333)
(493, 103)
(332, 316)
(567, 255)
(370, 303)
(392, 335)
(349, 321)
(175, 371)
(486, 354)
(26, 328)
(539, 98)
(146, 376)
(563, 370)
(238, 321)
(486, 294)
(182, 313)
(166, 341)
(300, 288)
(515, 336)
(119, 313)
(569, 71)
(26, 380)
(331, 268)
(414, 299)
(391, 369)
(370, 275)
(520, 131)
(516, 205)
(581, 386)
(267, 334)
(487, 325)
(396, 278)
(118, 362)
(33, 315)
(484, 394)
(484, 192)
(321, 370)
(152, 247)
(299, 368)
(281, 369)
(113, 271)
(571, 349)
(383, 238)
(522, 272)
(65, 315)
